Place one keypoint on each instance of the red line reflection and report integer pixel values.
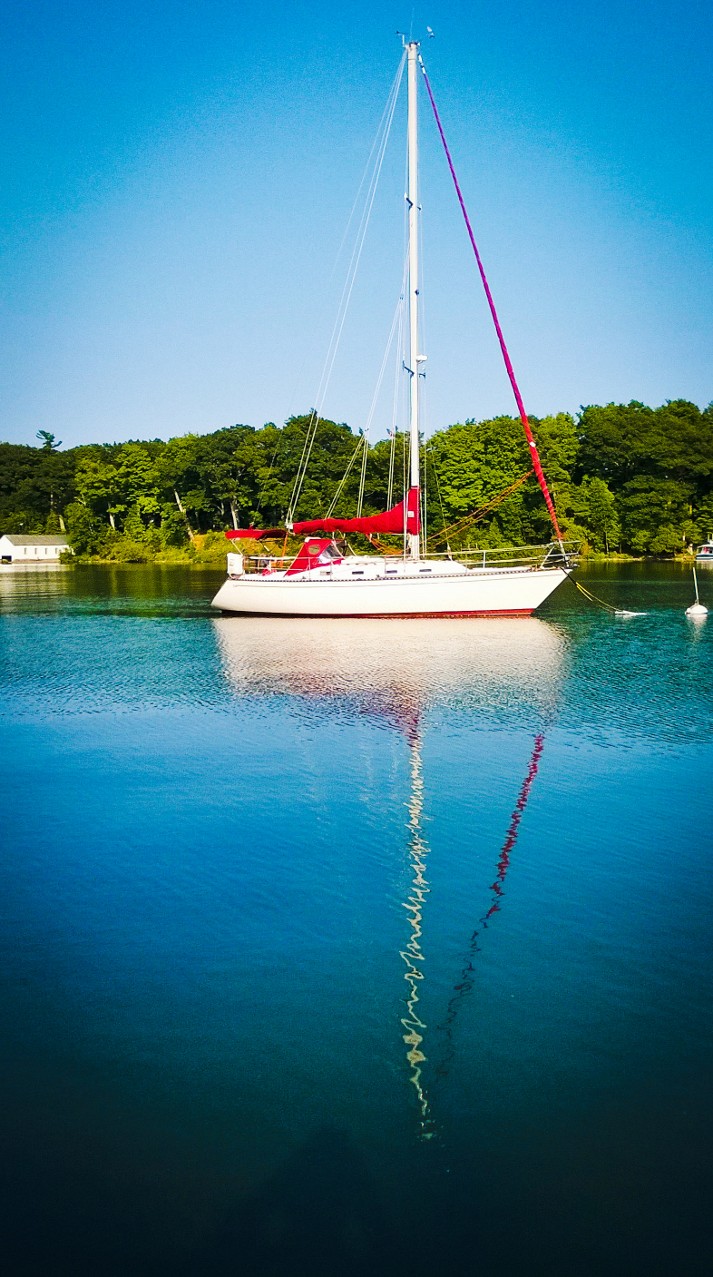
(467, 977)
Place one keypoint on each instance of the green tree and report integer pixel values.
(655, 515)
(97, 484)
(225, 463)
(86, 533)
(34, 483)
(49, 441)
(597, 512)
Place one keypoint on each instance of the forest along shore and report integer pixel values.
(626, 479)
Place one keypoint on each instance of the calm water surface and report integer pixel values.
(354, 947)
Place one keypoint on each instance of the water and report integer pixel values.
(354, 946)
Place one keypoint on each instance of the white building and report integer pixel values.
(35, 548)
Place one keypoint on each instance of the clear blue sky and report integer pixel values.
(177, 179)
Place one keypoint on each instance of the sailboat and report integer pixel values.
(326, 579)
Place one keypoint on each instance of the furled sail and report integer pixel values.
(403, 517)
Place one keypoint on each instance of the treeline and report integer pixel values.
(624, 477)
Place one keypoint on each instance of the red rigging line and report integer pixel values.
(466, 979)
(511, 836)
(536, 463)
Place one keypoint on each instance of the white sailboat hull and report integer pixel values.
(514, 591)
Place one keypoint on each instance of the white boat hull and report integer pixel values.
(473, 592)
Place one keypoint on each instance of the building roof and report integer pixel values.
(15, 539)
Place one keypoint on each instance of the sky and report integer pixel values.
(177, 179)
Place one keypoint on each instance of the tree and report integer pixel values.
(86, 533)
(34, 482)
(49, 441)
(224, 464)
(596, 510)
(621, 474)
(655, 515)
(97, 484)
(620, 442)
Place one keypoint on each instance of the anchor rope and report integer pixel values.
(593, 598)
(608, 607)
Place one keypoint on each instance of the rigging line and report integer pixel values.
(420, 374)
(258, 508)
(367, 169)
(362, 480)
(400, 362)
(316, 413)
(392, 462)
(311, 432)
(367, 166)
(377, 388)
(536, 463)
(406, 457)
(346, 297)
(424, 473)
(434, 467)
(460, 525)
(398, 369)
(359, 444)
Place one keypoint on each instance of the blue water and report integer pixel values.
(345, 947)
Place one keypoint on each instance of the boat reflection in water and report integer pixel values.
(395, 666)
(397, 671)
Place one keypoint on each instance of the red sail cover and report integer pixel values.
(404, 516)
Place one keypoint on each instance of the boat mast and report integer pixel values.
(413, 232)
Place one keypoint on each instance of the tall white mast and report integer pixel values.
(413, 231)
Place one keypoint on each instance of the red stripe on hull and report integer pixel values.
(378, 616)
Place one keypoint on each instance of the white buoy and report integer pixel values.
(697, 610)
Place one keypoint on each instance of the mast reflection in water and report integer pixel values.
(413, 954)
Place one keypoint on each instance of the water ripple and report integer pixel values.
(150, 642)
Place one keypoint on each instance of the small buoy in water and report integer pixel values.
(697, 610)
